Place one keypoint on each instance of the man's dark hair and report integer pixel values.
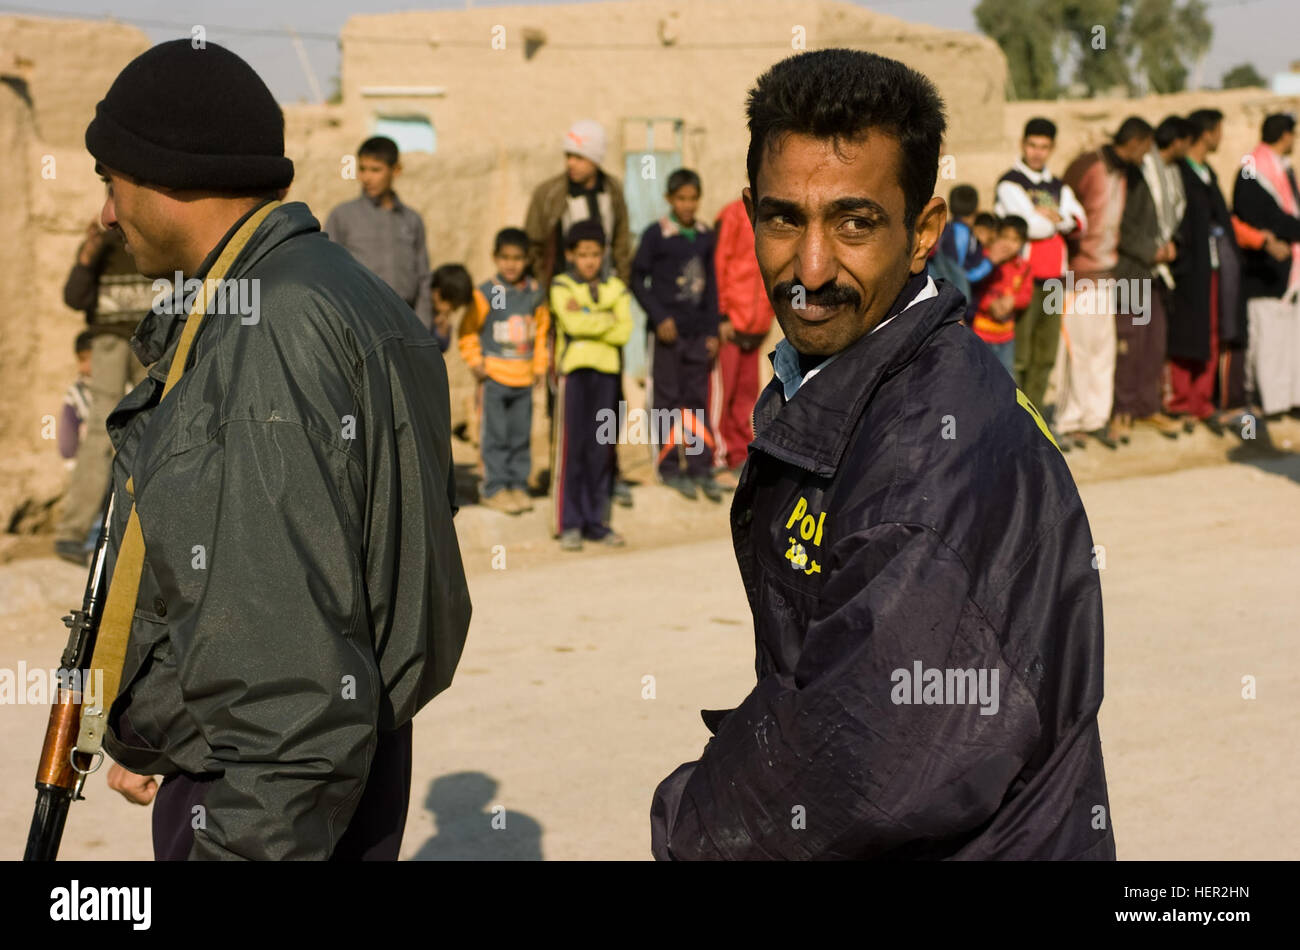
(683, 177)
(1203, 121)
(1013, 222)
(1134, 127)
(588, 229)
(1171, 129)
(453, 283)
(986, 219)
(380, 147)
(839, 94)
(510, 237)
(963, 200)
(1040, 126)
(1276, 126)
(83, 342)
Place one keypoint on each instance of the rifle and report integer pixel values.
(62, 771)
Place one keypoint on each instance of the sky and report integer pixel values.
(1262, 32)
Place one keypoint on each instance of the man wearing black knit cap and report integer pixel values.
(282, 546)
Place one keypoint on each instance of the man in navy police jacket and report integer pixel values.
(927, 612)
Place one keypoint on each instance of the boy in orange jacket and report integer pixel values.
(503, 340)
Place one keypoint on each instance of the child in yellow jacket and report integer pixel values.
(593, 319)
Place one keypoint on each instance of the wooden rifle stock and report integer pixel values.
(62, 771)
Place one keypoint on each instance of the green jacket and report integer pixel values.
(302, 587)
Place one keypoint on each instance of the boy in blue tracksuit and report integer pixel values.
(681, 301)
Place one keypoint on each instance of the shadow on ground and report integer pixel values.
(472, 828)
(467, 483)
(1274, 462)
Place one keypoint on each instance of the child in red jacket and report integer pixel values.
(746, 320)
(1005, 292)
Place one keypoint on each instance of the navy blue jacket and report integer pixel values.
(906, 512)
(683, 284)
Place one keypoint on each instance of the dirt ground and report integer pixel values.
(549, 724)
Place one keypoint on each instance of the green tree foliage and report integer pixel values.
(1167, 39)
(1094, 29)
(1029, 36)
(1136, 45)
(1243, 76)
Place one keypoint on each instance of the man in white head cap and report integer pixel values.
(585, 190)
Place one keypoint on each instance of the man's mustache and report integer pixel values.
(792, 292)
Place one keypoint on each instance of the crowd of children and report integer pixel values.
(1130, 278)
(1143, 210)
(555, 316)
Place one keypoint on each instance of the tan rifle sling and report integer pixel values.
(124, 589)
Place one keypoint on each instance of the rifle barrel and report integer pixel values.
(47, 823)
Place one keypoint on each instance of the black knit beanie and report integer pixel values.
(191, 118)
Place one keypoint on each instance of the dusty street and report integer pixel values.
(549, 725)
